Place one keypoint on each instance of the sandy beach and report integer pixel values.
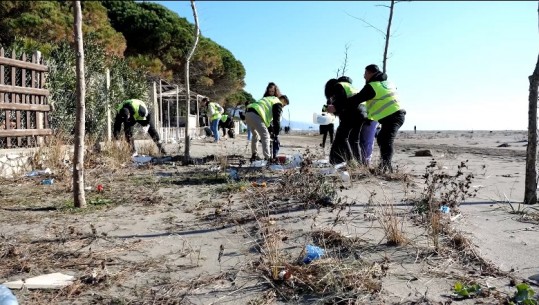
(163, 233)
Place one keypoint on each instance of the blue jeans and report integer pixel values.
(215, 129)
(366, 141)
(248, 134)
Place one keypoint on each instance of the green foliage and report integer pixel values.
(238, 98)
(153, 39)
(466, 291)
(49, 22)
(524, 295)
(125, 83)
(159, 40)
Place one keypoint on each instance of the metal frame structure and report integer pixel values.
(171, 112)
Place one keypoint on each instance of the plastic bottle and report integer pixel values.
(7, 297)
(345, 176)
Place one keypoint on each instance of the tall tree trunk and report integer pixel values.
(530, 188)
(78, 158)
(187, 154)
(388, 34)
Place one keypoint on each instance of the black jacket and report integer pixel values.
(349, 114)
(277, 110)
(367, 93)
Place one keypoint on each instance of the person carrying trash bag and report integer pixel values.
(258, 117)
(346, 145)
(383, 105)
(131, 112)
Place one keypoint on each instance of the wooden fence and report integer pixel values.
(24, 105)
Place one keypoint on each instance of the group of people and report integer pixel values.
(218, 120)
(360, 112)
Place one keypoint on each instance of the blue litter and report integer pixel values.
(233, 174)
(7, 297)
(312, 253)
(47, 181)
(444, 209)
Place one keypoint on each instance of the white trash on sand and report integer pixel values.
(47, 281)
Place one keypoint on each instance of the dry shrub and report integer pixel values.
(392, 224)
(56, 155)
(272, 247)
(308, 186)
(332, 280)
(333, 239)
(459, 241)
(148, 149)
(112, 155)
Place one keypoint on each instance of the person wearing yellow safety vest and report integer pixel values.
(129, 113)
(214, 112)
(346, 145)
(258, 117)
(225, 123)
(383, 105)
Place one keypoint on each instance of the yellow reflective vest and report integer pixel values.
(264, 108)
(224, 117)
(348, 89)
(384, 103)
(216, 111)
(136, 105)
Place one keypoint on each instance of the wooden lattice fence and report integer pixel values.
(24, 107)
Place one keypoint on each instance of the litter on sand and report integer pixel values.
(47, 281)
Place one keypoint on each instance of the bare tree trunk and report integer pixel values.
(388, 34)
(344, 66)
(78, 169)
(530, 189)
(187, 154)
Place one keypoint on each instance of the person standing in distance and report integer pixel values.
(214, 112)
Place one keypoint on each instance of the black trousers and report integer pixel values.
(346, 144)
(386, 137)
(124, 118)
(330, 128)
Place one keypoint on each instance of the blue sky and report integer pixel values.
(457, 65)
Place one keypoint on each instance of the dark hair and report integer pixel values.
(142, 111)
(372, 68)
(277, 91)
(328, 90)
(285, 98)
(345, 79)
(205, 100)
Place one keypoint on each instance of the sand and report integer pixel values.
(161, 241)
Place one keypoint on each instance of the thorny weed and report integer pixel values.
(442, 189)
